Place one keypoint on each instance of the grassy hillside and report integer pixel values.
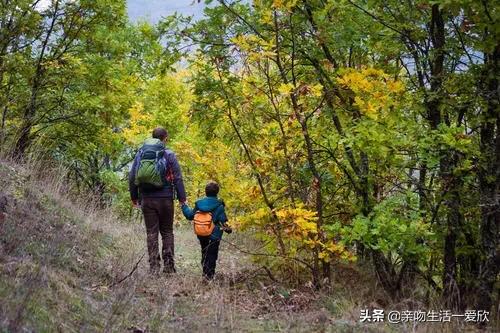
(62, 260)
(54, 256)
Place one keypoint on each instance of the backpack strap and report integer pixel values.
(158, 154)
(195, 209)
(169, 175)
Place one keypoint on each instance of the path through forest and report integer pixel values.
(242, 297)
(71, 266)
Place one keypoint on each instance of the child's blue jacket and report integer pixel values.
(208, 204)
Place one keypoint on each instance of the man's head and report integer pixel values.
(212, 189)
(160, 133)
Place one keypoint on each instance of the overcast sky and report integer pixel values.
(153, 10)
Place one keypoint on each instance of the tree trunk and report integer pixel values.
(451, 292)
(489, 183)
(24, 139)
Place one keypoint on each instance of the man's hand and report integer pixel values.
(135, 204)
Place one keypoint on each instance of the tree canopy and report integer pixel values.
(354, 131)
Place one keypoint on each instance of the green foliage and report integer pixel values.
(332, 126)
(395, 226)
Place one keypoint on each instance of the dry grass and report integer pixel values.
(59, 255)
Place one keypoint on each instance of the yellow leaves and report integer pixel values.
(259, 217)
(356, 81)
(278, 3)
(52, 64)
(299, 221)
(373, 72)
(300, 224)
(219, 103)
(204, 160)
(255, 47)
(285, 89)
(164, 101)
(306, 226)
(255, 192)
(248, 84)
(139, 124)
(286, 5)
(332, 249)
(395, 86)
(236, 223)
(260, 213)
(317, 90)
(365, 80)
(323, 255)
(307, 90)
(266, 13)
(251, 43)
(260, 55)
(266, 17)
(313, 242)
(241, 41)
(137, 113)
(367, 107)
(374, 91)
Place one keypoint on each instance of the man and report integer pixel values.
(157, 201)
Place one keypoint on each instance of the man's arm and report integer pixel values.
(177, 178)
(132, 188)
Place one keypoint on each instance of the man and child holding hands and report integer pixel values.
(154, 179)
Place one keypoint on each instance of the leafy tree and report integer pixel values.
(339, 130)
(347, 109)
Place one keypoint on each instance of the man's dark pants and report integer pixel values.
(159, 217)
(209, 253)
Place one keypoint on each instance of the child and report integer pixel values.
(209, 244)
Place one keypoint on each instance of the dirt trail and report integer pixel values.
(67, 266)
(61, 259)
(237, 300)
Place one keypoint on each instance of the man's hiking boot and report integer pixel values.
(170, 269)
(168, 265)
(154, 270)
(154, 265)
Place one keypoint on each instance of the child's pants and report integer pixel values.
(209, 253)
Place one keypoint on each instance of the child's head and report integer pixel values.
(212, 189)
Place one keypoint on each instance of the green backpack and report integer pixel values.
(151, 169)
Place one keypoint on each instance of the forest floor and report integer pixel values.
(67, 266)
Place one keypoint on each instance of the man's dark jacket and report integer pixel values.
(166, 191)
